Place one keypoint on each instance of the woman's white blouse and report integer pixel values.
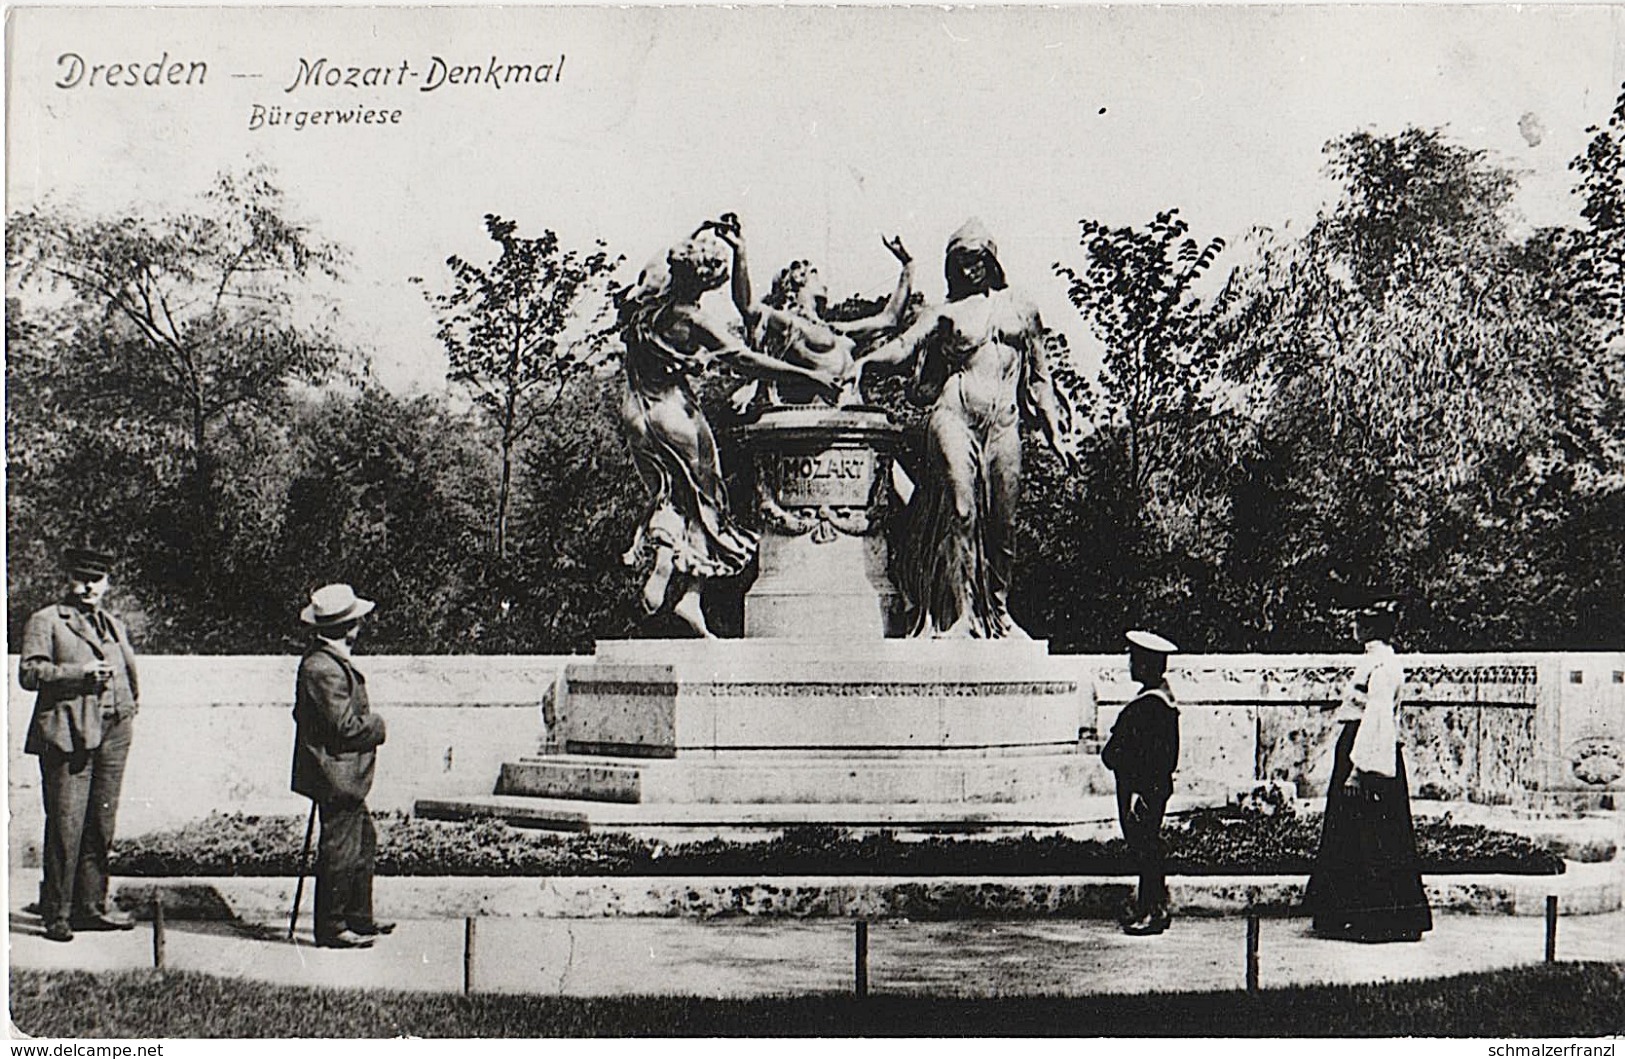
(1379, 721)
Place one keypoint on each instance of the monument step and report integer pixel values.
(659, 710)
(593, 779)
(785, 778)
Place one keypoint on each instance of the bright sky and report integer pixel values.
(823, 128)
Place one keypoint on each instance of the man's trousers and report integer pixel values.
(1143, 833)
(81, 792)
(344, 862)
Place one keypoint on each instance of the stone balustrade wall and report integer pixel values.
(216, 733)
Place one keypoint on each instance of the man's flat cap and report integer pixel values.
(90, 563)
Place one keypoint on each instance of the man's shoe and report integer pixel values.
(58, 930)
(373, 929)
(1153, 922)
(113, 920)
(344, 939)
(1128, 913)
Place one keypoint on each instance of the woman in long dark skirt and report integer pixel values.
(1367, 884)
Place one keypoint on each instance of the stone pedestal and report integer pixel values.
(882, 722)
(823, 491)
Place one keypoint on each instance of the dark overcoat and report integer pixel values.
(59, 646)
(335, 733)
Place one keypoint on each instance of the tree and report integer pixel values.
(517, 331)
(574, 522)
(1585, 269)
(1407, 368)
(387, 495)
(1137, 294)
(1597, 251)
(151, 352)
(1141, 529)
(193, 316)
(1410, 202)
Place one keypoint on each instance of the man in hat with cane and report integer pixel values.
(1143, 752)
(78, 657)
(334, 753)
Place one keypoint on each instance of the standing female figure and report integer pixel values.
(1366, 884)
(688, 534)
(790, 322)
(980, 361)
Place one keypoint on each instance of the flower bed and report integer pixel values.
(1265, 838)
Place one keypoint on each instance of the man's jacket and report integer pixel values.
(1144, 748)
(335, 732)
(60, 644)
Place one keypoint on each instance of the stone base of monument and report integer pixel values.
(765, 732)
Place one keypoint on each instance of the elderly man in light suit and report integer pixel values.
(334, 753)
(78, 657)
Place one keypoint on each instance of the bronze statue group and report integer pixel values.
(979, 361)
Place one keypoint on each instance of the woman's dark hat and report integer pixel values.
(1371, 600)
(92, 564)
(1372, 597)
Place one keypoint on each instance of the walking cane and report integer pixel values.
(304, 855)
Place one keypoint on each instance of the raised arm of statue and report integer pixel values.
(899, 353)
(891, 315)
(732, 233)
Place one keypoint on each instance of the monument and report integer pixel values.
(850, 699)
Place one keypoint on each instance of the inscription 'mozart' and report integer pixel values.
(834, 476)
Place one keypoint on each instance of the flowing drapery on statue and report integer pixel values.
(980, 361)
(688, 533)
(676, 456)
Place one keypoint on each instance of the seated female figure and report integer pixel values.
(790, 323)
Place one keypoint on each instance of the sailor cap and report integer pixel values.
(1150, 641)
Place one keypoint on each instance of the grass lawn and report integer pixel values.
(1561, 1000)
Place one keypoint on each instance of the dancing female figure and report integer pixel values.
(980, 361)
(688, 534)
(1366, 884)
(790, 322)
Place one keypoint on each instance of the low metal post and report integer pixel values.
(468, 955)
(1551, 928)
(158, 930)
(1252, 953)
(860, 959)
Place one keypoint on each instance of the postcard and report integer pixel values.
(702, 502)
